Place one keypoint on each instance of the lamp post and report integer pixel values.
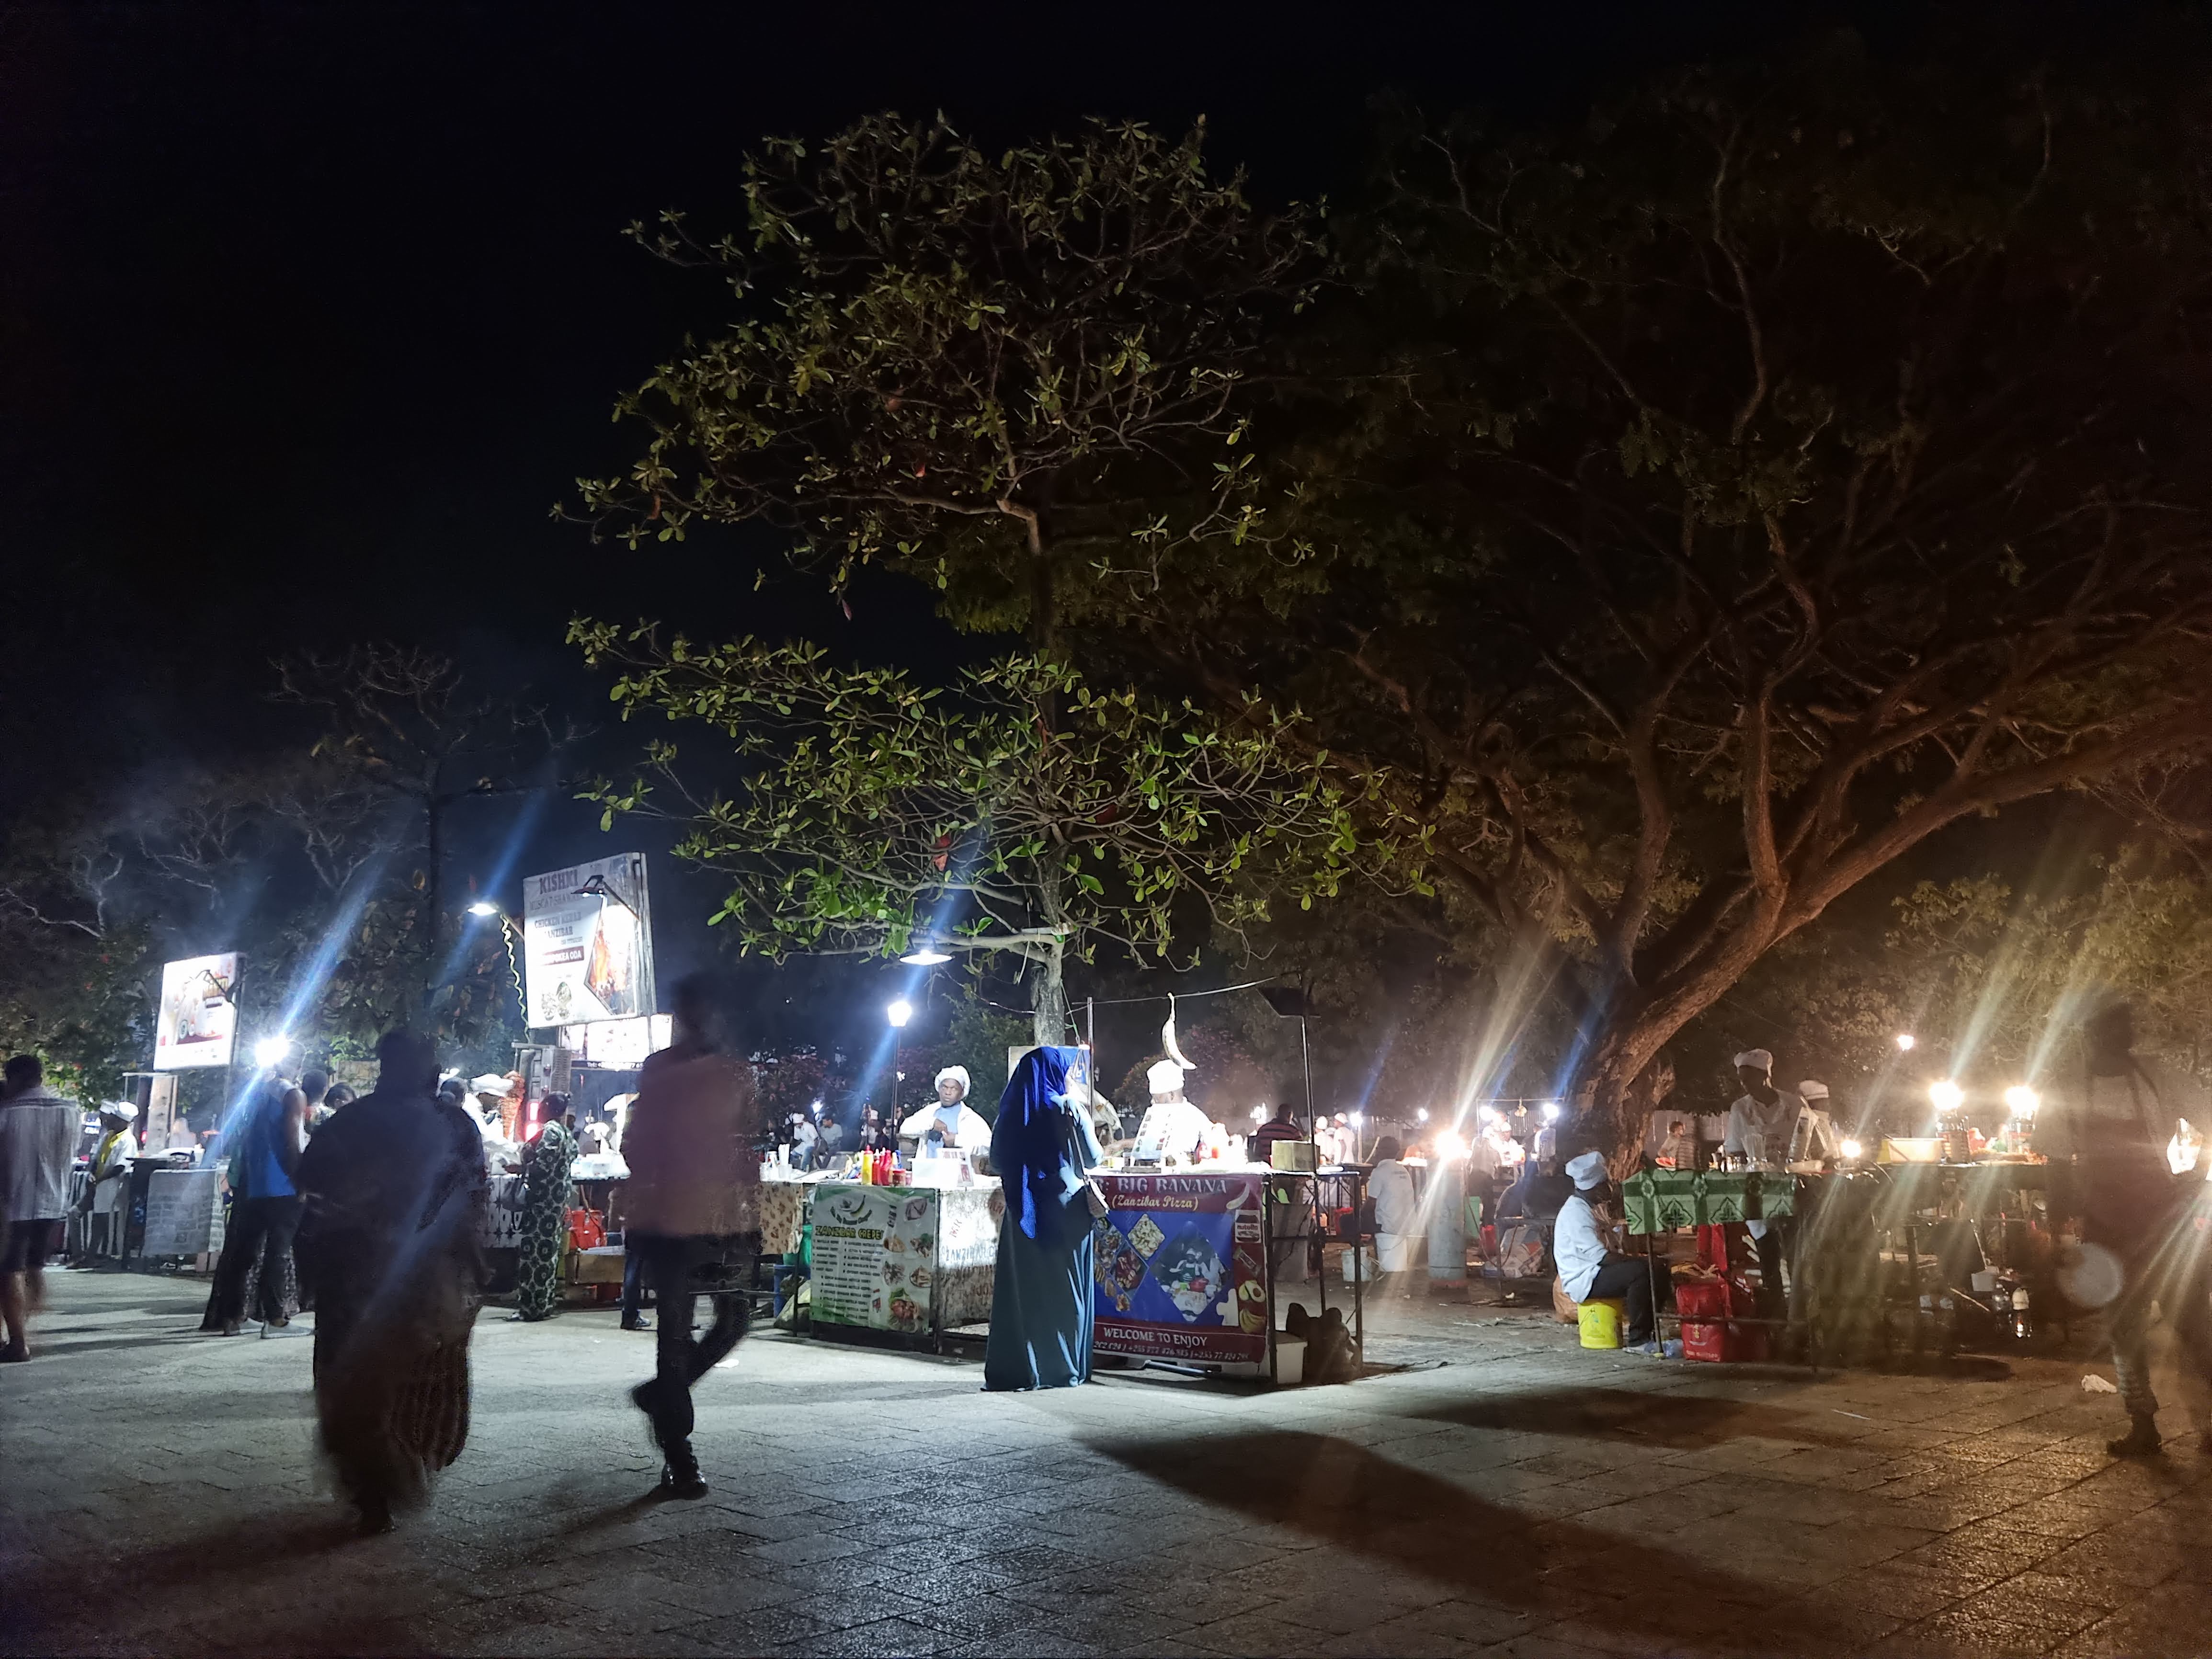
(898, 1013)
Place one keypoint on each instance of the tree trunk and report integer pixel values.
(1049, 1001)
(1627, 1079)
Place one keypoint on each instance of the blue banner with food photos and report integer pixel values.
(1180, 1271)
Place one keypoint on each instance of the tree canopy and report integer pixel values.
(864, 811)
(1655, 527)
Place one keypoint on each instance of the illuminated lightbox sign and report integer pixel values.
(618, 1044)
(587, 943)
(196, 1024)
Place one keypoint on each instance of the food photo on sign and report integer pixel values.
(1179, 1269)
(587, 942)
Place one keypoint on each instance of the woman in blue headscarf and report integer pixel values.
(1041, 1146)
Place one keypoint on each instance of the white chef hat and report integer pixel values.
(491, 1083)
(1758, 1059)
(957, 1074)
(122, 1109)
(1587, 1170)
(1165, 1076)
(1812, 1089)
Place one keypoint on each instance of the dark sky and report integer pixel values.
(309, 313)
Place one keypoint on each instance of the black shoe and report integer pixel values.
(375, 1517)
(636, 1322)
(2140, 1441)
(681, 1480)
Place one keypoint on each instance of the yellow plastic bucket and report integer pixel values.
(1599, 1322)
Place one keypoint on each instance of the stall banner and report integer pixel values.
(1179, 1268)
(198, 1019)
(875, 1256)
(184, 1213)
(587, 943)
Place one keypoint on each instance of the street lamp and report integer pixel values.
(1945, 1095)
(898, 1013)
(270, 1050)
(924, 956)
(1905, 1042)
(483, 908)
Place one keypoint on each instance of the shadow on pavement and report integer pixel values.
(51, 1594)
(1347, 1497)
(1681, 1422)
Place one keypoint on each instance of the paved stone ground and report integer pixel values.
(159, 1493)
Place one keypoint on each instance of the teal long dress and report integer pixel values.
(544, 1221)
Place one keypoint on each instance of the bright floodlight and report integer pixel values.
(1449, 1147)
(1422, 1113)
(483, 908)
(270, 1050)
(899, 1012)
(923, 955)
(1945, 1095)
(1852, 1149)
(1484, 1113)
(1551, 1111)
(1905, 1042)
(1358, 1118)
(2022, 1100)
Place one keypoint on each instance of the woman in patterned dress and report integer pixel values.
(544, 1211)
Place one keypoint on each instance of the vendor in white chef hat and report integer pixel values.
(1171, 1123)
(950, 1126)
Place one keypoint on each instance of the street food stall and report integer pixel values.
(1905, 1255)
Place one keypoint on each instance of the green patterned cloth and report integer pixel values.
(1660, 1200)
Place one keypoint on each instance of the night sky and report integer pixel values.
(310, 313)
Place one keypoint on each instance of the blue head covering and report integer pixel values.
(1039, 1145)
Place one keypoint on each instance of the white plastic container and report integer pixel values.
(1290, 1361)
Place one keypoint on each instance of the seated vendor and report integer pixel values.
(1397, 1211)
(1260, 1145)
(1587, 1271)
(951, 1126)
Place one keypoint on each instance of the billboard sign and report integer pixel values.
(587, 943)
(196, 1024)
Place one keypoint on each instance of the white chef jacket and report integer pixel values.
(964, 1125)
(1175, 1126)
(1397, 1213)
(1763, 1132)
(1578, 1246)
(1815, 1137)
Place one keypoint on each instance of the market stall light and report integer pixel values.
(483, 908)
(270, 1050)
(1422, 1113)
(1853, 1151)
(2022, 1100)
(1449, 1146)
(1486, 1113)
(1359, 1119)
(1551, 1111)
(1945, 1095)
(899, 1012)
(1259, 1115)
(1905, 1042)
(924, 957)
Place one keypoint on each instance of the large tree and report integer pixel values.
(989, 370)
(862, 811)
(1715, 501)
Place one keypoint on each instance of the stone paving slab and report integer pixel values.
(160, 1493)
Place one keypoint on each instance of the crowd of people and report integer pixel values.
(372, 1210)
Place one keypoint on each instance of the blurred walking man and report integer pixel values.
(38, 1144)
(693, 1196)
